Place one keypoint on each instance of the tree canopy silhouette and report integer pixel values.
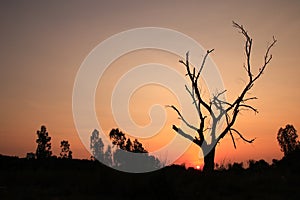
(216, 108)
(43, 149)
(131, 155)
(65, 150)
(98, 149)
(287, 139)
(118, 138)
(125, 154)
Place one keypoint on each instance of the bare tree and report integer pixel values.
(217, 108)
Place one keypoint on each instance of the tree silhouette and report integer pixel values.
(216, 108)
(125, 155)
(137, 158)
(138, 147)
(97, 146)
(287, 139)
(129, 145)
(65, 150)
(43, 149)
(118, 138)
(108, 156)
(98, 151)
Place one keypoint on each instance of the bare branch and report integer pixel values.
(220, 93)
(206, 129)
(224, 102)
(240, 99)
(203, 62)
(249, 107)
(267, 59)
(193, 96)
(248, 47)
(195, 84)
(248, 99)
(219, 103)
(182, 118)
(178, 130)
(232, 139)
(241, 136)
(197, 141)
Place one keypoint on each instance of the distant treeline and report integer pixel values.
(57, 178)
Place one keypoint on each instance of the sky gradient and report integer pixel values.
(44, 44)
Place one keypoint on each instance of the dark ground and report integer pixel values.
(83, 179)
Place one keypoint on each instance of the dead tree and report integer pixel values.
(216, 108)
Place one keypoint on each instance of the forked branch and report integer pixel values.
(241, 99)
(182, 118)
(228, 109)
(241, 136)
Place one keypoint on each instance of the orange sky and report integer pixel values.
(44, 44)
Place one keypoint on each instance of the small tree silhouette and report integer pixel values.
(287, 139)
(108, 156)
(43, 149)
(30, 156)
(65, 150)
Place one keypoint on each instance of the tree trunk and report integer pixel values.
(209, 161)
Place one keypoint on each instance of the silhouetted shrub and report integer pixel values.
(287, 139)
(258, 165)
(235, 166)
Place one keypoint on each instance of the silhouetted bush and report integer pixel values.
(287, 139)
(236, 167)
(258, 165)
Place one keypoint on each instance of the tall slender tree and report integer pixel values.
(97, 146)
(43, 141)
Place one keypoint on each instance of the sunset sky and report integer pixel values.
(43, 45)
